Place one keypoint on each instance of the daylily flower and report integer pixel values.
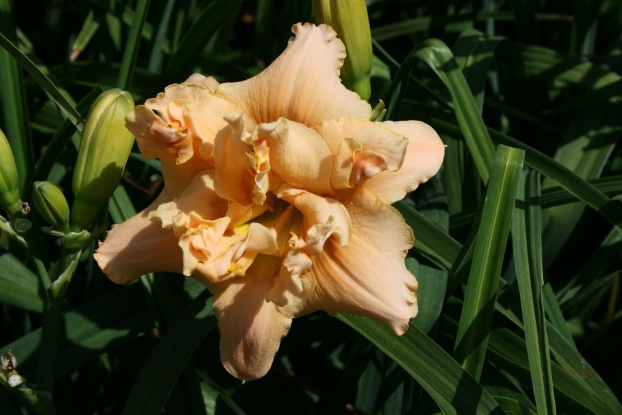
(277, 197)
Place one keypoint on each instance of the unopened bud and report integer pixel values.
(378, 112)
(105, 147)
(350, 21)
(52, 205)
(9, 181)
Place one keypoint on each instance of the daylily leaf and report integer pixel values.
(18, 285)
(450, 386)
(526, 240)
(476, 317)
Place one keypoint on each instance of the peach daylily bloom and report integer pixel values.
(277, 197)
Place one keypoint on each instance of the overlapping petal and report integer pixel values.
(298, 155)
(423, 158)
(235, 167)
(367, 276)
(295, 85)
(277, 198)
(361, 149)
(251, 328)
(139, 246)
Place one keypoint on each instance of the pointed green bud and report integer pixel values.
(105, 147)
(350, 21)
(378, 112)
(9, 181)
(52, 205)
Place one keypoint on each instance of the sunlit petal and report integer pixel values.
(367, 276)
(373, 148)
(294, 86)
(234, 163)
(318, 211)
(298, 155)
(251, 328)
(423, 159)
(139, 246)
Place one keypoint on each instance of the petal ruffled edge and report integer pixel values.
(302, 84)
(368, 276)
(361, 149)
(423, 159)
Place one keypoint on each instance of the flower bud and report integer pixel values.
(9, 181)
(52, 205)
(105, 147)
(350, 21)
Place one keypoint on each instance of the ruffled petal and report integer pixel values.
(321, 218)
(183, 118)
(361, 149)
(251, 328)
(302, 84)
(236, 250)
(298, 155)
(199, 199)
(423, 159)
(139, 246)
(367, 276)
(235, 164)
(207, 82)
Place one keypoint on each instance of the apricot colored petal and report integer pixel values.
(232, 253)
(378, 148)
(366, 277)
(302, 84)
(193, 113)
(199, 199)
(152, 136)
(207, 82)
(139, 246)
(298, 155)
(251, 328)
(322, 217)
(423, 159)
(234, 164)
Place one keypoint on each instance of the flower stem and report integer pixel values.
(53, 318)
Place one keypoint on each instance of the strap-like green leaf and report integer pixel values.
(131, 47)
(481, 292)
(454, 390)
(18, 285)
(430, 239)
(45, 83)
(438, 57)
(197, 36)
(526, 241)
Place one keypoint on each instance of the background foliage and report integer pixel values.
(518, 249)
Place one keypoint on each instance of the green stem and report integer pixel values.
(53, 319)
(50, 333)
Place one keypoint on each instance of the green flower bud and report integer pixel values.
(52, 205)
(378, 112)
(9, 181)
(350, 21)
(105, 147)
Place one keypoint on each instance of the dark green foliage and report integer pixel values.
(526, 95)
